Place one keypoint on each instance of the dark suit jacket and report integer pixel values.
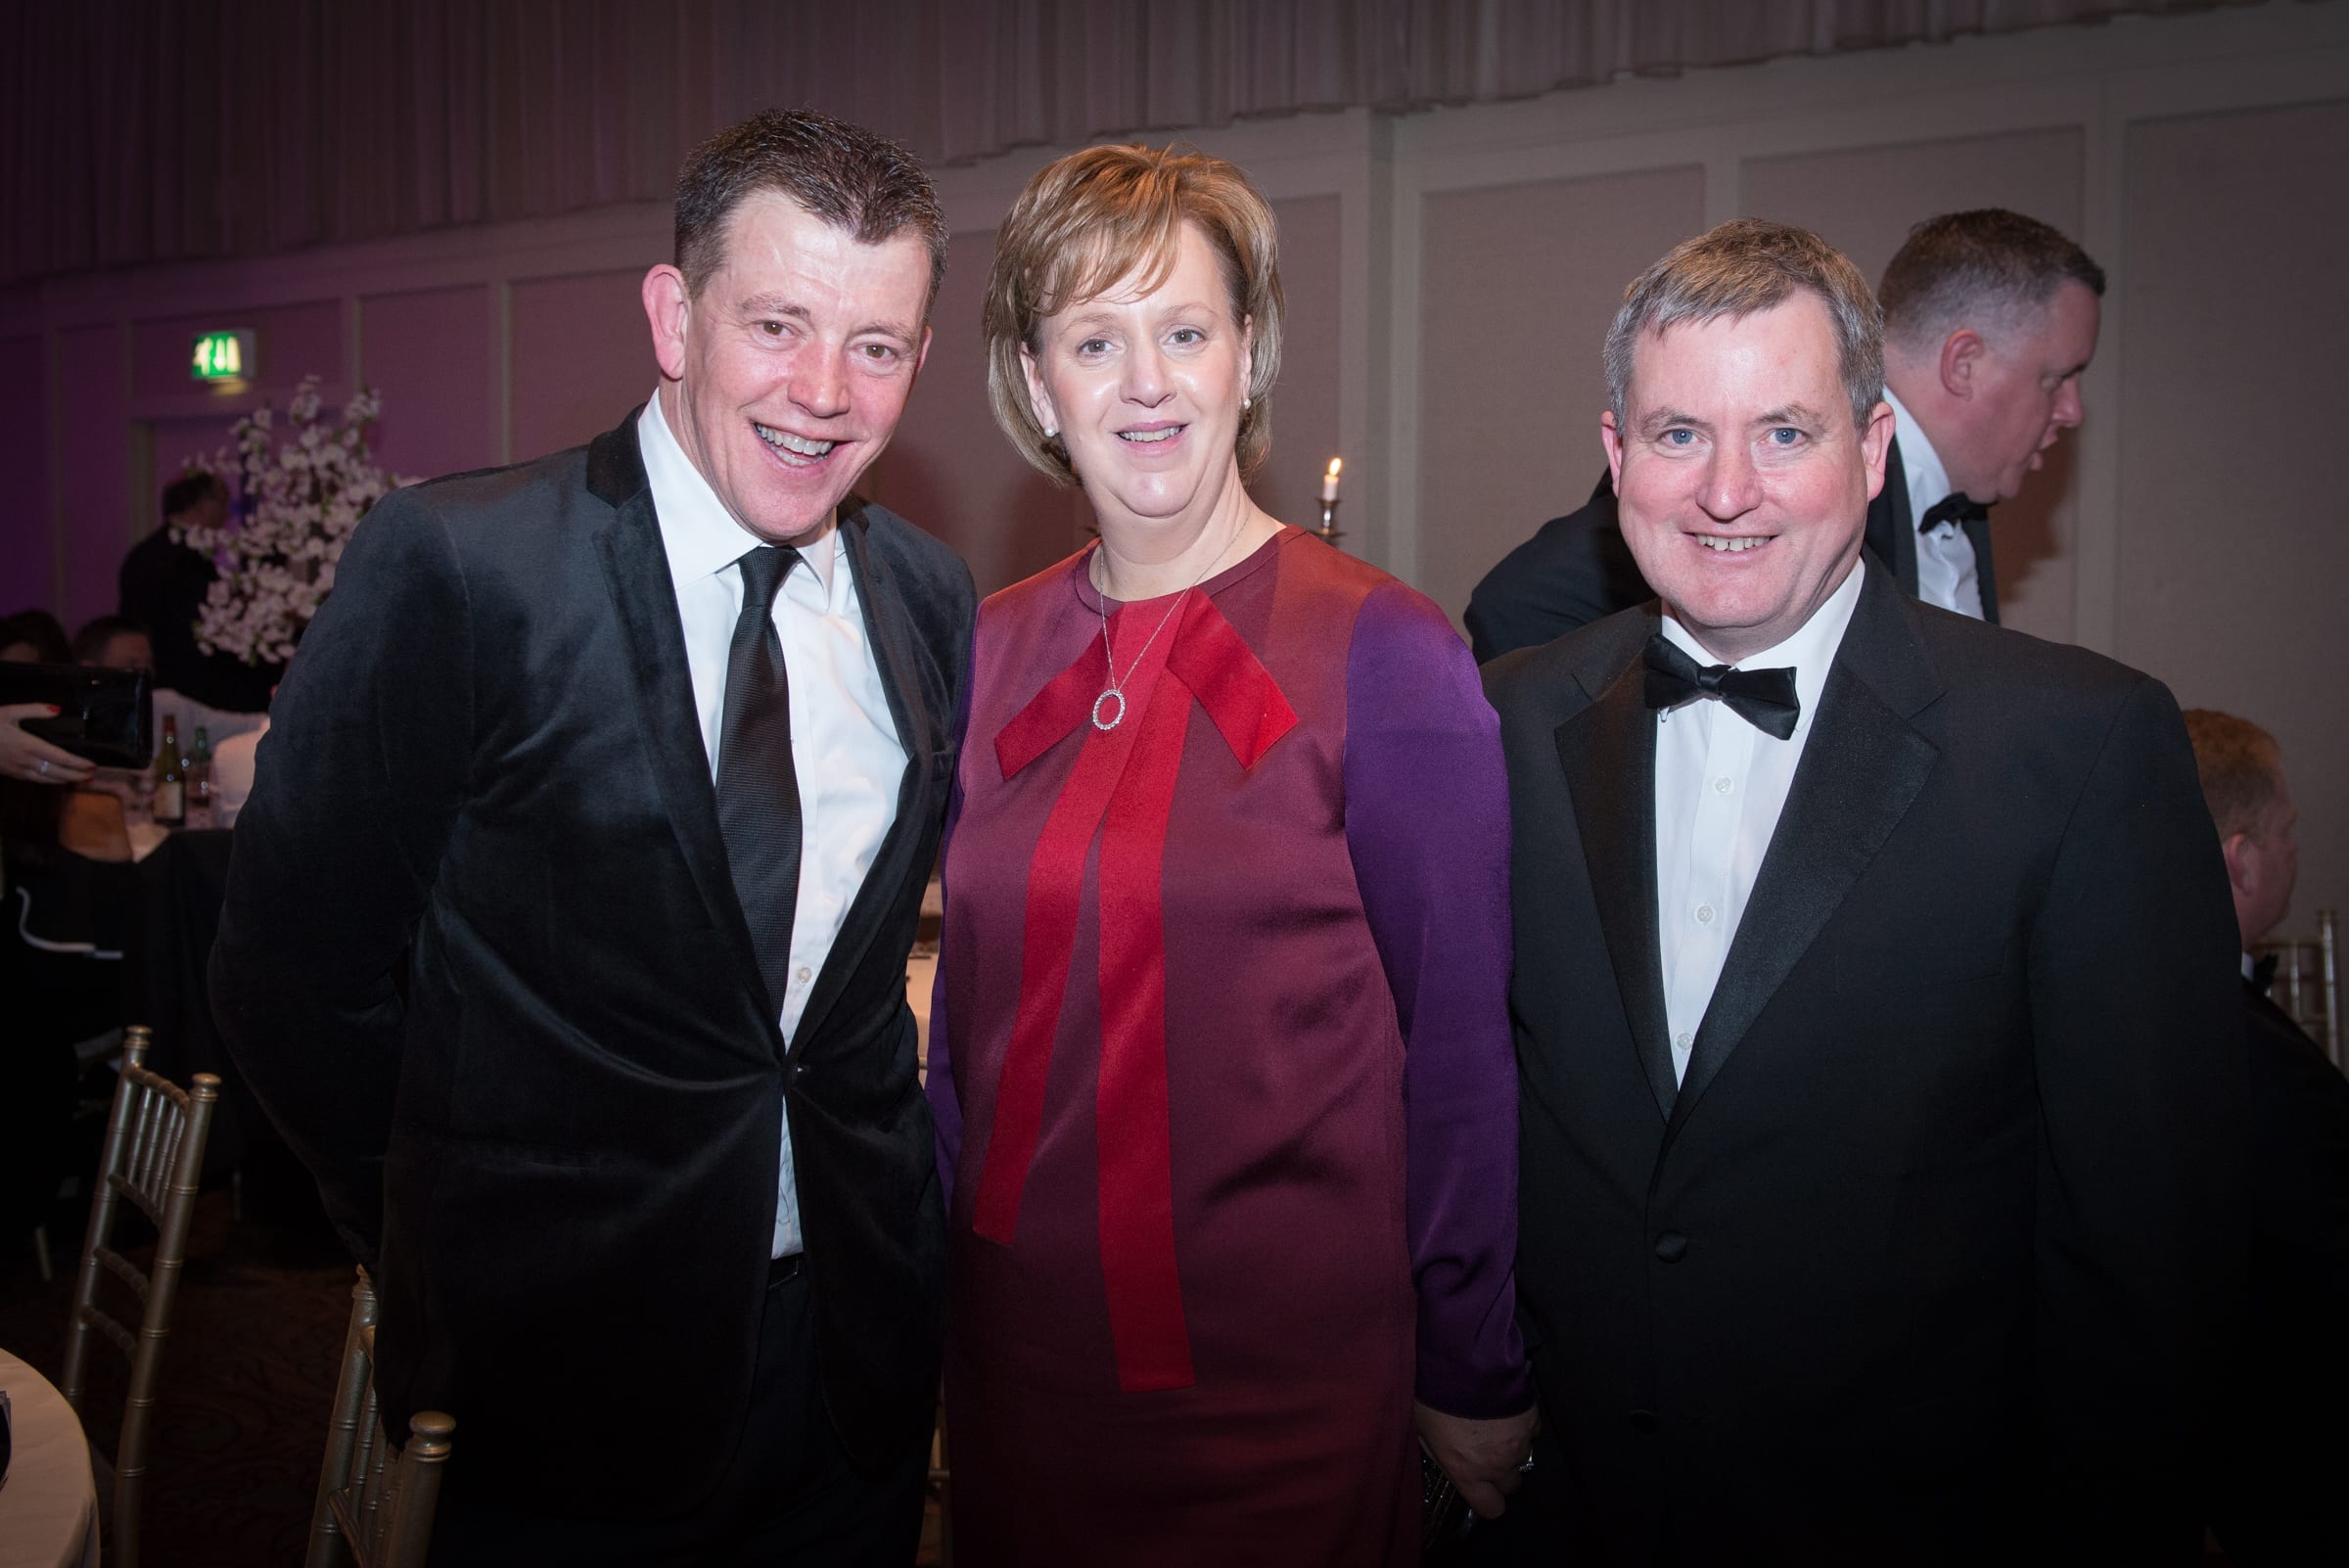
(482, 961)
(1577, 568)
(2283, 1445)
(161, 585)
(1936, 1226)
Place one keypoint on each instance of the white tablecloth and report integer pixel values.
(48, 1510)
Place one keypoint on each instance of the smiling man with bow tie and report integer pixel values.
(1872, 979)
(1990, 320)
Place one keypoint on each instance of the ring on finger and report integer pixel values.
(44, 767)
(1525, 1466)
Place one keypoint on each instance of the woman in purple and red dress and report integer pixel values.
(1220, 1053)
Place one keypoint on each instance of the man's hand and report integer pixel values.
(1482, 1458)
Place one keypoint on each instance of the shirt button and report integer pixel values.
(1704, 914)
(1672, 1247)
(803, 974)
(1720, 786)
(1683, 1041)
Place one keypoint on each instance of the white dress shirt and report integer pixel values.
(1947, 574)
(1721, 784)
(844, 743)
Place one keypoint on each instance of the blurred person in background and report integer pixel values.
(2281, 1449)
(161, 588)
(113, 642)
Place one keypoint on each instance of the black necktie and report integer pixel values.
(757, 788)
(1763, 698)
(1956, 508)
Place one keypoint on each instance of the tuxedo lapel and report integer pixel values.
(1977, 534)
(1608, 751)
(889, 628)
(1861, 769)
(1891, 524)
(644, 602)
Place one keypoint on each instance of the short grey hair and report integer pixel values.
(1985, 268)
(1744, 267)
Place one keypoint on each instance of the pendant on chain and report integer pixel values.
(1105, 725)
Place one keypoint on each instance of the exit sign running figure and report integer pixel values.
(222, 356)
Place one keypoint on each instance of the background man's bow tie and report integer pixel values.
(1957, 509)
(1763, 698)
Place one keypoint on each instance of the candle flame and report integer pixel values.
(1335, 464)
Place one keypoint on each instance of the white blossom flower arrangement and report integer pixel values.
(278, 564)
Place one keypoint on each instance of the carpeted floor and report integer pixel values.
(247, 1382)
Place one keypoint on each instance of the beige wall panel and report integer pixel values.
(2233, 537)
(1864, 200)
(1304, 422)
(582, 357)
(950, 469)
(1518, 284)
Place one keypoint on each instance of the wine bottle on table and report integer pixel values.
(200, 774)
(171, 778)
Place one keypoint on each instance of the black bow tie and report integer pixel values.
(1958, 508)
(1763, 698)
(2262, 973)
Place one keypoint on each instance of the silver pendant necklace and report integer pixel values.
(1116, 688)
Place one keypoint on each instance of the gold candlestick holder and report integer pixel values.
(1329, 531)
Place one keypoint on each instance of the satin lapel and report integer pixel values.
(1861, 769)
(636, 566)
(1891, 524)
(888, 626)
(1977, 534)
(1608, 750)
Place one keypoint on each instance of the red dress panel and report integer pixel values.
(1182, 1326)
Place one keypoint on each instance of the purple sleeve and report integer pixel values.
(1427, 824)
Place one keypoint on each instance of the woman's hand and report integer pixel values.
(1486, 1460)
(28, 757)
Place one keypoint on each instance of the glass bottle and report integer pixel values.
(171, 778)
(200, 773)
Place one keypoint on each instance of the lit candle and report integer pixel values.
(1329, 481)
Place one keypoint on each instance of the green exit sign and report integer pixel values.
(222, 356)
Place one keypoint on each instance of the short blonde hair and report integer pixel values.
(2241, 769)
(1107, 213)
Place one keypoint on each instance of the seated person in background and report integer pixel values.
(112, 642)
(1989, 318)
(2280, 1448)
(34, 637)
(163, 585)
(67, 897)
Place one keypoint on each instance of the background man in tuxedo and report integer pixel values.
(566, 936)
(1872, 999)
(2278, 1472)
(1989, 318)
(163, 585)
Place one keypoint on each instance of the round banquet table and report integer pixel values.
(48, 1508)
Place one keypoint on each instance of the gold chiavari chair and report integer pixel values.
(2308, 984)
(153, 1152)
(375, 1504)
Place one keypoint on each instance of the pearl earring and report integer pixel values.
(1052, 431)
(1247, 403)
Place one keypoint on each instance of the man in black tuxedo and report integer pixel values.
(1989, 318)
(1871, 973)
(566, 933)
(2279, 1456)
(162, 585)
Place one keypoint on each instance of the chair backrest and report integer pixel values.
(375, 1505)
(153, 1153)
(2308, 984)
